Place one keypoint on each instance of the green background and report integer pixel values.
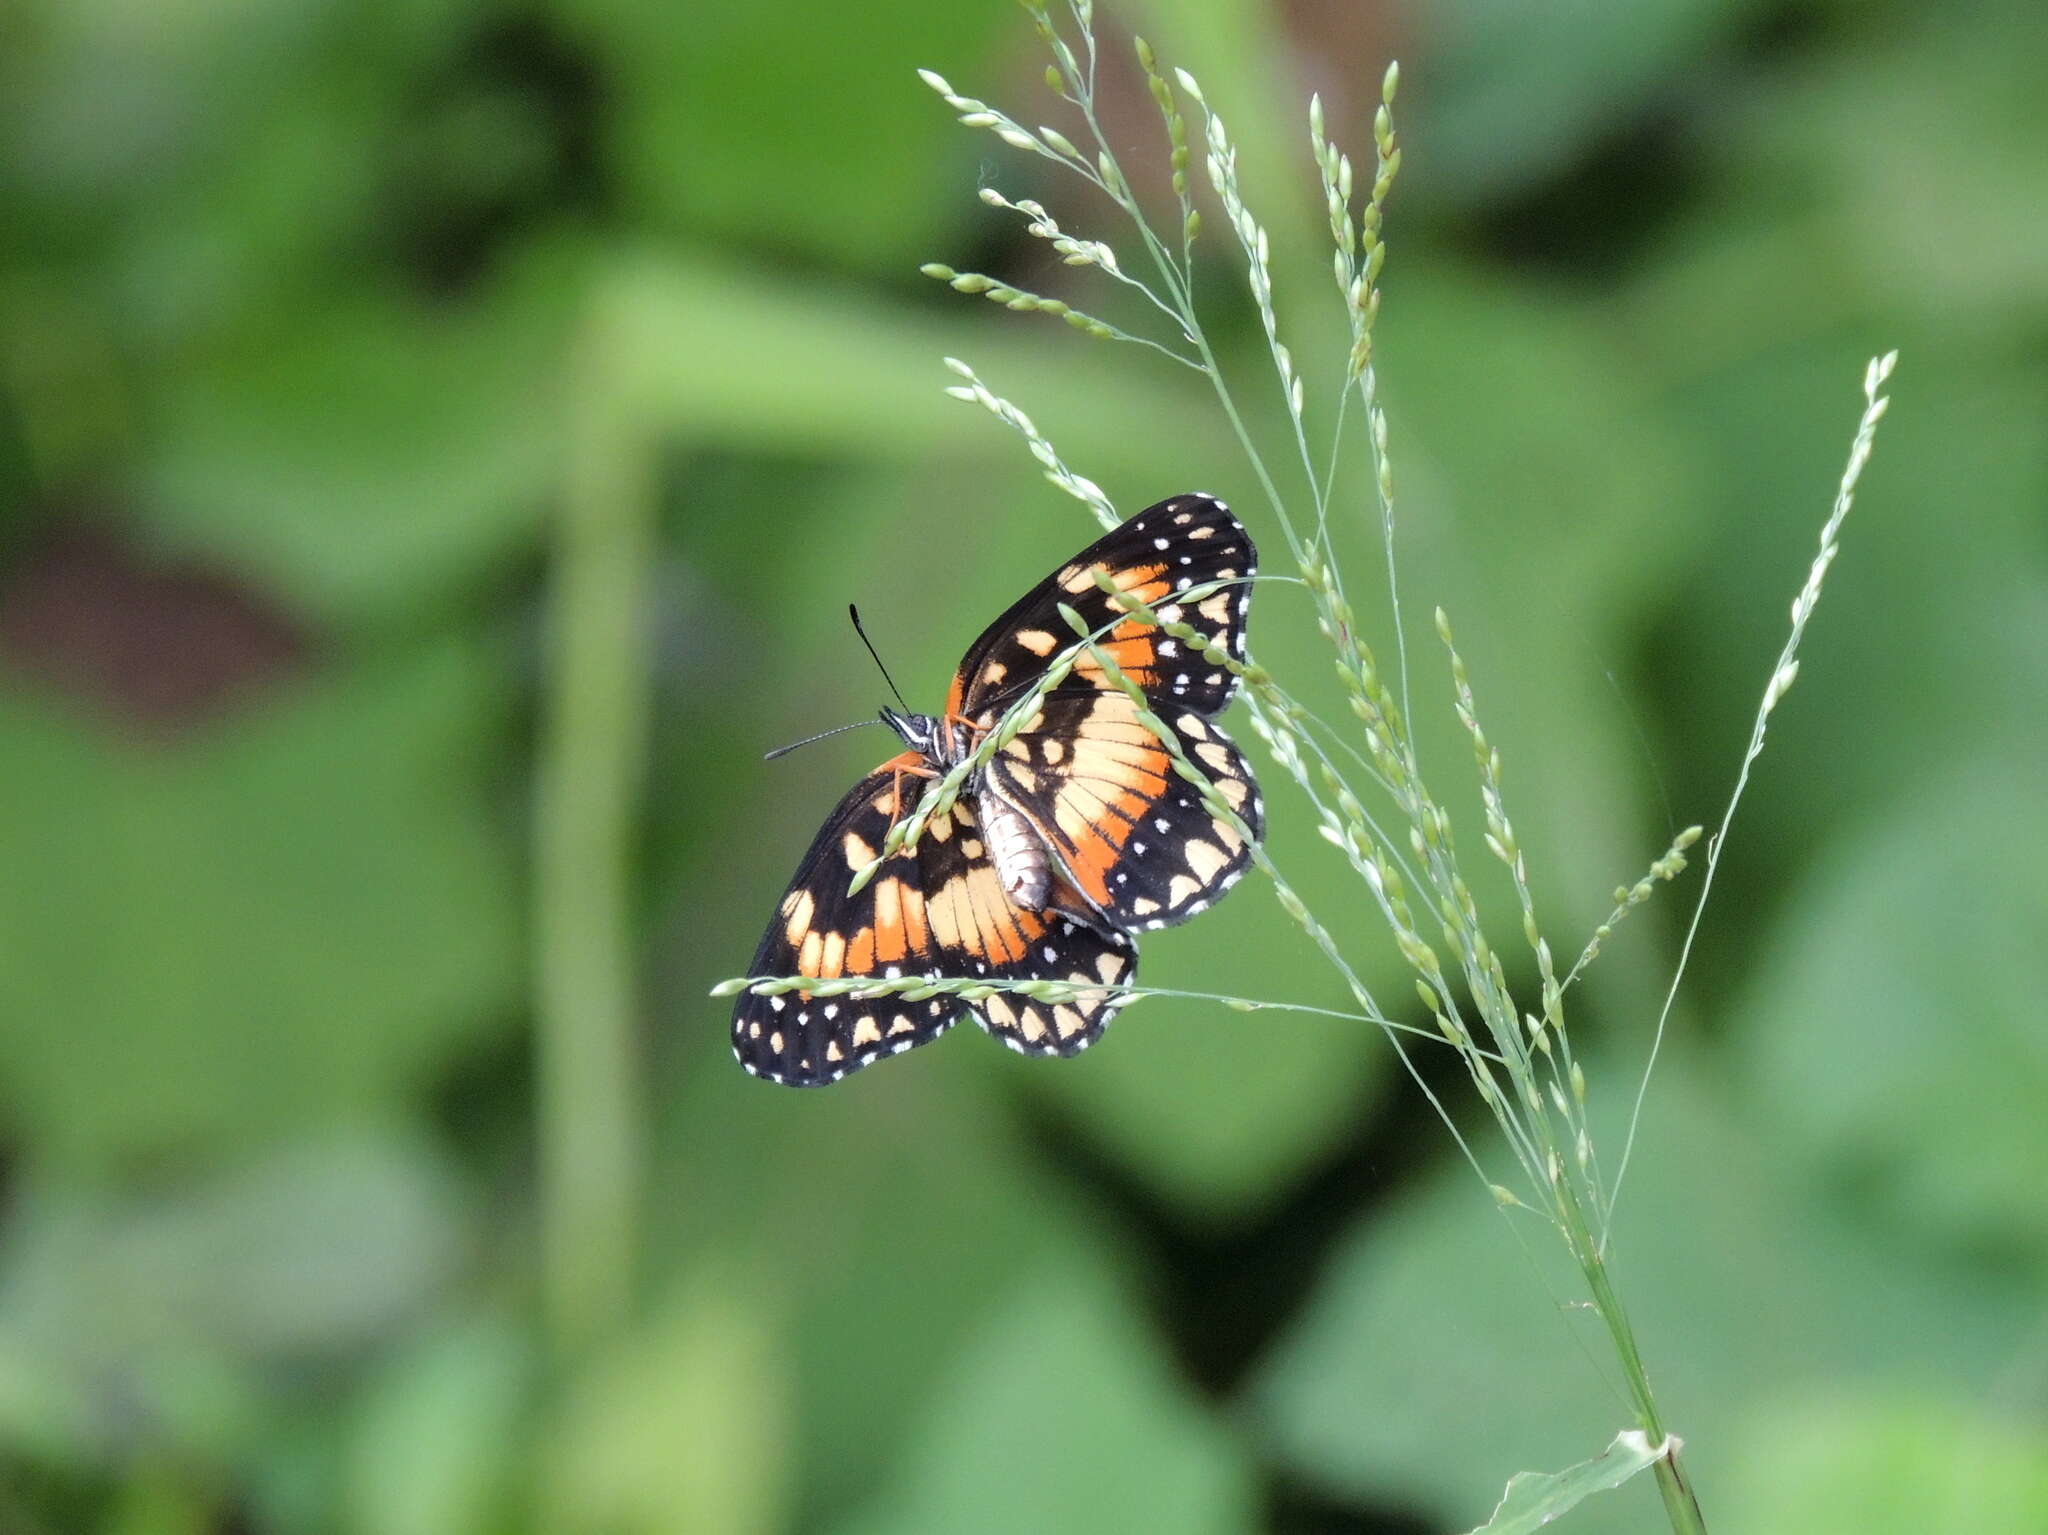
(438, 441)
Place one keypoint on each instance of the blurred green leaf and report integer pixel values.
(310, 905)
(1534, 1498)
(680, 1426)
(1872, 132)
(78, 57)
(1884, 1464)
(375, 459)
(435, 1443)
(883, 1224)
(820, 140)
(1059, 1417)
(1517, 91)
(810, 368)
(1741, 1281)
(158, 1500)
(137, 1322)
(1214, 1109)
(1525, 445)
(1885, 1013)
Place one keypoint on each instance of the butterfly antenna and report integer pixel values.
(853, 613)
(836, 730)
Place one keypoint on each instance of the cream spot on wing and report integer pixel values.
(1233, 791)
(1201, 532)
(1216, 609)
(1226, 834)
(833, 959)
(1055, 751)
(858, 854)
(939, 828)
(775, 1042)
(1069, 1022)
(1038, 641)
(1033, 1024)
(1180, 890)
(812, 951)
(833, 1052)
(1144, 906)
(901, 1024)
(1109, 966)
(1000, 1011)
(867, 1032)
(1205, 859)
(969, 848)
(993, 673)
(1171, 612)
(799, 907)
(1075, 578)
(1215, 754)
(1191, 725)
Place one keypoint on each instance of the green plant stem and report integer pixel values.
(587, 801)
(1680, 1506)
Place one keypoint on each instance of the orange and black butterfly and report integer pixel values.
(1069, 839)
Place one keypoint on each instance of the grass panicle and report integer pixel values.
(1080, 487)
(1363, 782)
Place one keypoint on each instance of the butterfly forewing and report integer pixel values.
(1101, 789)
(936, 911)
(1183, 543)
(820, 930)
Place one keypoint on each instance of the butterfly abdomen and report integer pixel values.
(1017, 853)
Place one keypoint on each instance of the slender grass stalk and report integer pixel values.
(1783, 675)
(586, 812)
(1367, 787)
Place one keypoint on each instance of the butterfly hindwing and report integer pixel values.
(1132, 835)
(805, 1040)
(1182, 542)
(980, 934)
(937, 911)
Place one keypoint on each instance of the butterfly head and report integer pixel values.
(920, 732)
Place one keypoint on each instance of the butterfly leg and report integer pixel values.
(898, 772)
(970, 732)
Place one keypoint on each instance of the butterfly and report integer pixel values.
(1069, 839)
